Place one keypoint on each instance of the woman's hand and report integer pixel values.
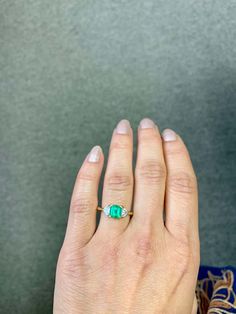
(144, 264)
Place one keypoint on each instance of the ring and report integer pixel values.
(115, 211)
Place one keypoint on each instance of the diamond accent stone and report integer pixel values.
(124, 212)
(106, 210)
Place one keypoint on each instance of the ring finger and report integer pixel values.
(118, 180)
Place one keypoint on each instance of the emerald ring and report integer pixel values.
(115, 211)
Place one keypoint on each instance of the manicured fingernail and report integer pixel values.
(95, 154)
(123, 127)
(146, 124)
(169, 135)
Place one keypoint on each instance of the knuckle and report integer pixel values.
(120, 145)
(81, 205)
(183, 229)
(148, 137)
(85, 176)
(118, 182)
(183, 183)
(144, 249)
(175, 150)
(110, 255)
(151, 172)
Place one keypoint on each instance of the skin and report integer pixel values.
(139, 264)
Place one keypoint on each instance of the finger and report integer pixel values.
(181, 202)
(118, 180)
(150, 175)
(82, 215)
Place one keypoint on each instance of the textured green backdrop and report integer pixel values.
(69, 70)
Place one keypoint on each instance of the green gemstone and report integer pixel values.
(116, 211)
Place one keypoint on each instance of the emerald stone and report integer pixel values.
(116, 211)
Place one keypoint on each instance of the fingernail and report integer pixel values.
(123, 127)
(169, 135)
(95, 154)
(146, 123)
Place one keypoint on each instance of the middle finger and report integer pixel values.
(150, 177)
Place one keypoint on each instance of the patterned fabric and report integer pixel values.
(216, 290)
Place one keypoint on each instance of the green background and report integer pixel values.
(69, 70)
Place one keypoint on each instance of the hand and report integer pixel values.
(139, 264)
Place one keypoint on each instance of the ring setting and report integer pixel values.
(115, 211)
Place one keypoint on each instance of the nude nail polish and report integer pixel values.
(95, 153)
(146, 123)
(169, 135)
(123, 127)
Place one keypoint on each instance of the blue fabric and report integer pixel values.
(216, 290)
